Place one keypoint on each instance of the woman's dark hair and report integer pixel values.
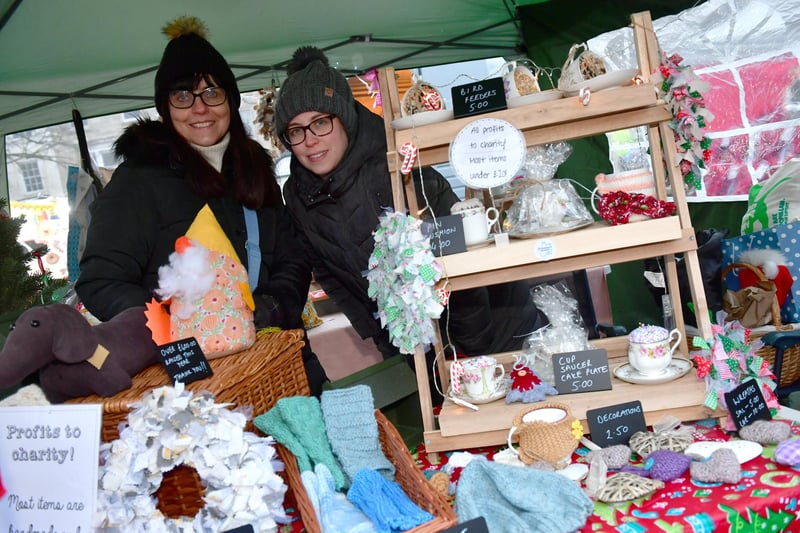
(252, 172)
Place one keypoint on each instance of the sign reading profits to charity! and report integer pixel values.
(478, 97)
(447, 235)
(746, 404)
(615, 424)
(487, 152)
(48, 460)
(582, 371)
(184, 360)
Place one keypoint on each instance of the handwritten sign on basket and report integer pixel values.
(746, 404)
(615, 424)
(48, 458)
(582, 371)
(184, 360)
(478, 97)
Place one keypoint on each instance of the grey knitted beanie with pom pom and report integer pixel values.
(313, 85)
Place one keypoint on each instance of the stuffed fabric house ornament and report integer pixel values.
(206, 289)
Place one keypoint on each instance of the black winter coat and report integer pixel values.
(148, 204)
(337, 216)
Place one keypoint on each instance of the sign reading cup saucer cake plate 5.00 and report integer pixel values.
(487, 152)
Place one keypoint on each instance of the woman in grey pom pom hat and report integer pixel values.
(198, 154)
(339, 185)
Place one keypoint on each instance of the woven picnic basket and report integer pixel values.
(269, 370)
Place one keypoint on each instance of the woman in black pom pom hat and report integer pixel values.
(198, 153)
(339, 185)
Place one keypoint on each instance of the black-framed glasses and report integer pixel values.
(320, 127)
(211, 96)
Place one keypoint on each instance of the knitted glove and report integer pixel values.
(349, 416)
(385, 503)
(296, 422)
(335, 513)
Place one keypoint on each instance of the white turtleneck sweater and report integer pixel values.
(214, 153)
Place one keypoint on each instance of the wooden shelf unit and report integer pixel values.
(595, 245)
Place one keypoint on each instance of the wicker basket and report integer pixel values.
(790, 369)
(407, 475)
(269, 370)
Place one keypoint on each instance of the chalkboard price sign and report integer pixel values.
(447, 236)
(184, 360)
(746, 404)
(476, 525)
(615, 424)
(582, 371)
(478, 97)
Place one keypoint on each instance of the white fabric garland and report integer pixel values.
(171, 427)
(402, 273)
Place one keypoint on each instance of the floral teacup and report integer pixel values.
(650, 349)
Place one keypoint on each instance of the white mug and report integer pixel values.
(650, 349)
(477, 222)
(483, 377)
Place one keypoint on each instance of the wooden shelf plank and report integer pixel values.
(597, 238)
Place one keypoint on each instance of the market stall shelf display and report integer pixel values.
(620, 106)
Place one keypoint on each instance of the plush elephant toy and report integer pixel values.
(73, 357)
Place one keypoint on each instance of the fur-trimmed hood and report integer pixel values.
(146, 142)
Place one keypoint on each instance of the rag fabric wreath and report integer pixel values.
(401, 276)
(171, 427)
(683, 91)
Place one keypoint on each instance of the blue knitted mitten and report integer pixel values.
(298, 420)
(385, 503)
(349, 416)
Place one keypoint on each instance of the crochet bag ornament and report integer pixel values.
(547, 432)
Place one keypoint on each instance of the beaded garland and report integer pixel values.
(171, 427)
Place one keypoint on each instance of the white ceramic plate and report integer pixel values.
(615, 78)
(481, 244)
(499, 393)
(677, 368)
(534, 98)
(745, 450)
(422, 119)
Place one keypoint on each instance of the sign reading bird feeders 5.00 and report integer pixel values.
(487, 153)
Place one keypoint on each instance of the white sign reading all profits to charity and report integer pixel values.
(487, 152)
(48, 464)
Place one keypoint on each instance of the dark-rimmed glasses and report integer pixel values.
(211, 96)
(320, 127)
